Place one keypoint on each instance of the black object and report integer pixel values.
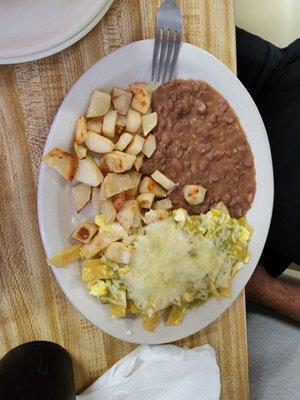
(272, 76)
(37, 371)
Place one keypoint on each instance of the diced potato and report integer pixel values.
(95, 269)
(145, 200)
(108, 211)
(80, 150)
(142, 98)
(84, 232)
(102, 195)
(126, 215)
(95, 200)
(155, 215)
(136, 145)
(118, 200)
(116, 183)
(119, 162)
(81, 195)
(141, 102)
(64, 163)
(103, 166)
(149, 146)
(109, 124)
(116, 92)
(148, 185)
(124, 141)
(95, 124)
(118, 252)
(66, 256)
(135, 87)
(99, 104)
(164, 204)
(133, 205)
(99, 243)
(98, 143)
(88, 172)
(122, 103)
(134, 121)
(149, 122)
(138, 162)
(136, 178)
(165, 182)
(121, 124)
(194, 194)
(80, 130)
(176, 315)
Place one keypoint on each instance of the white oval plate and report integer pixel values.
(31, 29)
(128, 64)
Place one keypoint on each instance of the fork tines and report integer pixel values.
(167, 41)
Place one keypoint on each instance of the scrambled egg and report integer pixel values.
(176, 262)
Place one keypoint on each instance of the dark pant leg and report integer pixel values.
(272, 76)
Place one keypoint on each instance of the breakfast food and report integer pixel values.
(199, 140)
(159, 242)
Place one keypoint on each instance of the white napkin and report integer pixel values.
(160, 373)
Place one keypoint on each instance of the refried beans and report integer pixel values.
(200, 141)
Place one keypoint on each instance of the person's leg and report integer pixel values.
(272, 76)
(271, 292)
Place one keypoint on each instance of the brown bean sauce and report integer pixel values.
(200, 141)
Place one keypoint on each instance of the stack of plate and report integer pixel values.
(33, 29)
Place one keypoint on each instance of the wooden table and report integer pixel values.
(32, 305)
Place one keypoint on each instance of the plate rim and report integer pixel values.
(67, 42)
(268, 213)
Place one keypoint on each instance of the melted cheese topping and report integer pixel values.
(168, 262)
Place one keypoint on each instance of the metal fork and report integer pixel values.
(167, 41)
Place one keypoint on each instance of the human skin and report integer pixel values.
(281, 296)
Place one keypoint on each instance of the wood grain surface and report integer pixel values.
(32, 305)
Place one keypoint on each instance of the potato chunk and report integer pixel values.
(164, 204)
(149, 122)
(119, 253)
(194, 194)
(138, 162)
(129, 215)
(80, 150)
(109, 124)
(145, 200)
(149, 145)
(124, 141)
(88, 172)
(63, 162)
(142, 98)
(136, 145)
(108, 211)
(81, 195)
(119, 162)
(136, 178)
(148, 185)
(99, 104)
(116, 183)
(80, 130)
(95, 124)
(165, 182)
(122, 103)
(134, 121)
(84, 232)
(155, 215)
(98, 143)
